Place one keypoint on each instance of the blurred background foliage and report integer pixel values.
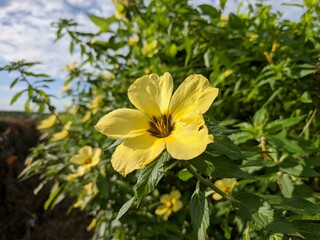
(265, 122)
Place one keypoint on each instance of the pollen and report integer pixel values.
(162, 126)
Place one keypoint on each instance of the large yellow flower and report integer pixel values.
(47, 123)
(170, 203)
(161, 121)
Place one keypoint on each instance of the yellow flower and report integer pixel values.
(226, 185)
(73, 111)
(88, 192)
(92, 224)
(86, 117)
(63, 133)
(87, 157)
(47, 123)
(170, 203)
(150, 48)
(65, 87)
(133, 40)
(71, 66)
(162, 121)
(94, 105)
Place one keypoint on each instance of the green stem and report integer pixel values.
(205, 181)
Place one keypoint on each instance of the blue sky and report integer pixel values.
(26, 34)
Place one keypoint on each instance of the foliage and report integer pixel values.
(265, 121)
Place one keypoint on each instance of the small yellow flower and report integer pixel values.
(162, 121)
(133, 40)
(87, 157)
(70, 67)
(88, 192)
(227, 73)
(47, 123)
(268, 57)
(63, 133)
(65, 87)
(86, 117)
(226, 185)
(170, 203)
(109, 77)
(73, 111)
(92, 224)
(150, 48)
(94, 105)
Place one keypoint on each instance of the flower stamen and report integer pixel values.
(162, 126)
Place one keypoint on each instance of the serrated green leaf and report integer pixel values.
(286, 185)
(219, 167)
(199, 211)
(293, 204)
(125, 207)
(185, 175)
(150, 176)
(222, 145)
(252, 207)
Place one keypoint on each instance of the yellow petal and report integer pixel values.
(47, 123)
(216, 196)
(189, 138)
(195, 94)
(123, 123)
(175, 194)
(85, 151)
(95, 156)
(78, 159)
(60, 135)
(165, 198)
(177, 206)
(161, 210)
(92, 224)
(151, 94)
(136, 153)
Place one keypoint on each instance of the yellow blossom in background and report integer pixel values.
(95, 104)
(226, 185)
(150, 48)
(92, 224)
(162, 121)
(170, 203)
(63, 133)
(133, 40)
(73, 111)
(71, 66)
(47, 123)
(268, 57)
(86, 158)
(65, 87)
(109, 76)
(88, 192)
(227, 73)
(86, 117)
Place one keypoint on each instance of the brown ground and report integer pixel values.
(21, 212)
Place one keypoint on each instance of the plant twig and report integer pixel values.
(205, 181)
(309, 122)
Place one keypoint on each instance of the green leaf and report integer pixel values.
(218, 167)
(14, 82)
(293, 204)
(55, 190)
(224, 146)
(150, 176)
(278, 125)
(209, 10)
(252, 207)
(286, 185)
(310, 231)
(285, 144)
(102, 23)
(185, 175)
(125, 207)
(199, 211)
(16, 96)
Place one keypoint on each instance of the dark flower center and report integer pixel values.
(161, 127)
